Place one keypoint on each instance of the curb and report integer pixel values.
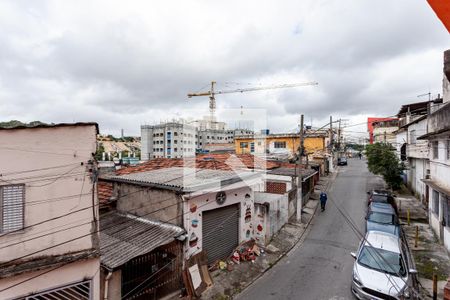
(332, 178)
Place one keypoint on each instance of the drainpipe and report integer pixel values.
(106, 285)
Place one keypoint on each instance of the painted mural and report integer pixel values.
(195, 206)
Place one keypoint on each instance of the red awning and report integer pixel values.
(442, 10)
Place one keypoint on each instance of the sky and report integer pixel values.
(127, 63)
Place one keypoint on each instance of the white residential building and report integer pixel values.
(49, 212)
(168, 140)
(437, 190)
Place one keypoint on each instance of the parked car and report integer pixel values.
(382, 217)
(342, 161)
(382, 196)
(383, 268)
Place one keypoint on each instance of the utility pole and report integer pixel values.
(339, 136)
(330, 165)
(299, 174)
(301, 147)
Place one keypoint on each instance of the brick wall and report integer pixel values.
(275, 187)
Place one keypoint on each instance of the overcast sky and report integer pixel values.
(127, 63)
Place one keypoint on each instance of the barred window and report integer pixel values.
(12, 199)
(78, 291)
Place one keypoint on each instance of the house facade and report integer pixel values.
(49, 225)
(287, 144)
(437, 181)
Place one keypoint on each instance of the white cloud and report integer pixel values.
(123, 64)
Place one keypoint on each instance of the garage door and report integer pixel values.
(220, 232)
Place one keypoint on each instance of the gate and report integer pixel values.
(220, 232)
(155, 274)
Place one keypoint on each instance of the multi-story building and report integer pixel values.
(384, 131)
(376, 135)
(280, 143)
(413, 152)
(437, 189)
(49, 212)
(168, 140)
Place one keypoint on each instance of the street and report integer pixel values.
(321, 267)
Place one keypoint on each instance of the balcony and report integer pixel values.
(438, 122)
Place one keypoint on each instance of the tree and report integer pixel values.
(382, 160)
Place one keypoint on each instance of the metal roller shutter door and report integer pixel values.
(220, 232)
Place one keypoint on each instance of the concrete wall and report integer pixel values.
(53, 192)
(157, 204)
(195, 205)
(68, 274)
(269, 221)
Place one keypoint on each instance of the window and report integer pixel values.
(448, 149)
(446, 210)
(81, 290)
(12, 199)
(435, 149)
(244, 145)
(412, 137)
(259, 143)
(175, 149)
(435, 207)
(279, 144)
(175, 141)
(252, 147)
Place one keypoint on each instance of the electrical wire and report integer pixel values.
(40, 169)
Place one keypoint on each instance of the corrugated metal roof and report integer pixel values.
(124, 237)
(292, 172)
(184, 179)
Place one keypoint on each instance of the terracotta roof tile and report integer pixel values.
(104, 192)
(222, 161)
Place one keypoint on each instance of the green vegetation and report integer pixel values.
(382, 160)
(16, 123)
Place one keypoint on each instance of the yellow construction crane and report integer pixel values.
(211, 93)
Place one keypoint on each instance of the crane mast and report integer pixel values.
(212, 92)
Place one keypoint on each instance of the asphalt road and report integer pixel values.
(321, 267)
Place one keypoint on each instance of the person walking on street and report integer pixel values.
(323, 200)
(360, 155)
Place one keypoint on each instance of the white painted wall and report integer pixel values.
(50, 194)
(194, 207)
(68, 274)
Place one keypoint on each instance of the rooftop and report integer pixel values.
(184, 179)
(222, 161)
(305, 173)
(124, 237)
(36, 125)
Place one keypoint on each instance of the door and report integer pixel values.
(220, 232)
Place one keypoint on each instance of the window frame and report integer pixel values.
(279, 145)
(435, 149)
(2, 231)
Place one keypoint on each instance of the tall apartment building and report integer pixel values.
(169, 140)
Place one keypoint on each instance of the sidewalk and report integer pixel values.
(430, 256)
(229, 283)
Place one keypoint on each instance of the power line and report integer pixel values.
(40, 169)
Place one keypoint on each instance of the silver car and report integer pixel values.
(383, 268)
